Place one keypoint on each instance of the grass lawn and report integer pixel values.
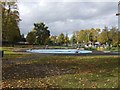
(47, 71)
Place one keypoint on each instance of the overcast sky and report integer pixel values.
(67, 17)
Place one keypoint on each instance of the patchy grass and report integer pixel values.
(9, 53)
(82, 80)
(60, 71)
(15, 56)
(7, 50)
(20, 70)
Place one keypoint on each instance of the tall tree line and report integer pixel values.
(40, 35)
(104, 36)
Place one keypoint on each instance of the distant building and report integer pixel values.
(23, 42)
(93, 45)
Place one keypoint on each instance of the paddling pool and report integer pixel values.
(58, 51)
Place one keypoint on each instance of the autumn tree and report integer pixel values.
(95, 34)
(53, 40)
(73, 39)
(103, 37)
(92, 34)
(10, 21)
(82, 36)
(110, 37)
(114, 34)
(60, 39)
(31, 37)
(66, 40)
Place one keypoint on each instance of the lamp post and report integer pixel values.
(118, 14)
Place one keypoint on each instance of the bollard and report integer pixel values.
(2, 53)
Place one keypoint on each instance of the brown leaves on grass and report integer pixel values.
(23, 73)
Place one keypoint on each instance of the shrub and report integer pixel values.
(100, 48)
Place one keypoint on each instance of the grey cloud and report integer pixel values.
(68, 16)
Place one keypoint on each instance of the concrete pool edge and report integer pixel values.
(58, 51)
(80, 54)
